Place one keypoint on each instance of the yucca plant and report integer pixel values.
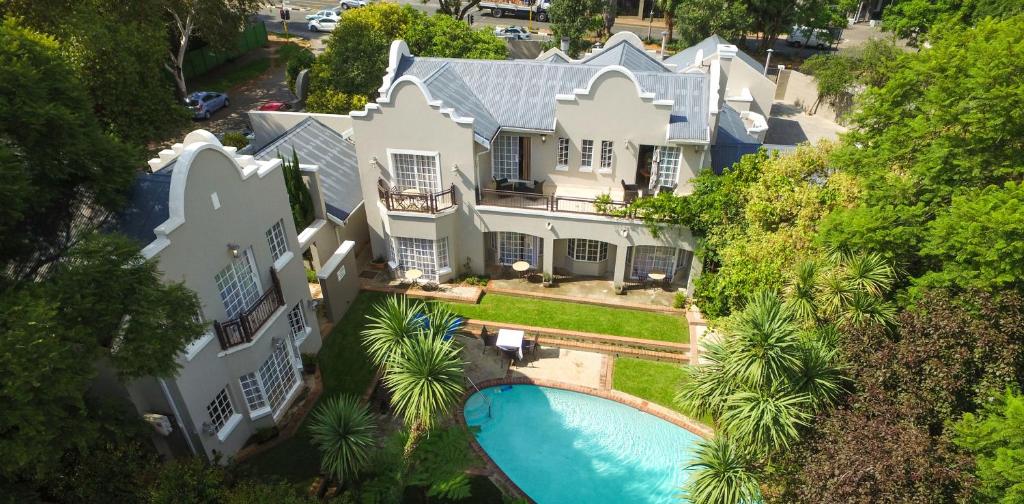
(764, 344)
(801, 291)
(705, 387)
(766, 420)
(425, 378)
(345, 432)
(721, 475)
(820, 377)
(392, 321)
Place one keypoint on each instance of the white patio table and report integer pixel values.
(510, 339)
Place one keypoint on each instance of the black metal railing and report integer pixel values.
(415, 201)
(242, 329)
(549, 202)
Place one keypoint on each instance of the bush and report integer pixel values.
(680, 300)
(309, 362)
(311, 276)
(265, 434)
(297, 58)
(329, 101)
(234, 139)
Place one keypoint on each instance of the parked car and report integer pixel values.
(351, 4)
(801, 36)
(326, 13)
(275, 106)
(323, 24)
(512, 32)
(205, 103)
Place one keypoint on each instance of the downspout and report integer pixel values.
(177, 416)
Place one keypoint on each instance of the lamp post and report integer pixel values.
(767, 61)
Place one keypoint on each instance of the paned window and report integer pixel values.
(668, 166)
(237, 285)
(512, 247)
(220, 410)
(606, 154)
(587, 154)
(277, 375)
(651, 259)
(421, 254)
(297, 322)
(587, 250)
(276, 240)
(416, 172)
(253, 392)
(563, 152)
(505, 157)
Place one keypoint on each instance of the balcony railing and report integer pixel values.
(242, 329)
(548, 202)
(411, 200)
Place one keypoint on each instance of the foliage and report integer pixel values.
(55, 156)
(978, 239)
(575, 19)
(937, 127)
(349, 72)
(696, 20)
(914, 20)
(455, 8)
(298, 194)
(837, 75)
(721, 474)
(392, 321)
(679, 301)
(344, 430)
(234, 139)
(995, 437)
(190, 480)
(297, 59)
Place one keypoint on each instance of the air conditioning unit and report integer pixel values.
(160, 423)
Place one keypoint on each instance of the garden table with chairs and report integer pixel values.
(511, 340)
(521, 267)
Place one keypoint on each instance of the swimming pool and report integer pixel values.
(561, 446)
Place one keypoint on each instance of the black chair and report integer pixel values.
(629, 191)
(503, 184)
(530, 346)
(666, 189)
(511, 355)
(489, 339)
(538, 187)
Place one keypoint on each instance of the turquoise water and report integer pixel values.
(566, 447)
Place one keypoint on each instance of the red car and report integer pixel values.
(275, 106)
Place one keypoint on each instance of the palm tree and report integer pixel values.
(821, 377)
(721, 475)
(705, 387)
(668, 9)
(345, 432)
(801, 291)
(391, 322)
(764, 344)
(425, 377)
(766, 420)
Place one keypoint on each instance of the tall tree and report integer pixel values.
(457, 9)
(575, 19)
(995, 437)
(217, 22)
(697, 20)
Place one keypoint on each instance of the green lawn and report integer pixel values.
(578, 317)
(655, 381)
(345, 370)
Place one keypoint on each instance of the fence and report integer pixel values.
(199, 61)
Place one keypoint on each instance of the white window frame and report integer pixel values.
(586, 155)
(252, 391)
(220, 411)
(562, 154)
(424, 182)
(413, 253)
(297, 323)
(669, 159)
(512, 247)
(584, 250)
(278, 365)
(230, 297)
(607, 156)
(505, 160)
(277, 240)
(652, 258)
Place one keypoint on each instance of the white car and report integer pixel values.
(801, 36)
(351, 4)
(512, 32)
(324, 24)
(326, 13)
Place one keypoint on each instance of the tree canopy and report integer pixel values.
(575, 19)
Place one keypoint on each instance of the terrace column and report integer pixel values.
(620, 262)
(549, 256)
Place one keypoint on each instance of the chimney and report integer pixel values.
(664, 42)
(564, 46)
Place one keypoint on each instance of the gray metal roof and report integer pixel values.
(709, 45)
(521, 93)
(731, 129)
(628, 55)
(318, 144)
(147, 206)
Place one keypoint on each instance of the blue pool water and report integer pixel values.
(567, 447)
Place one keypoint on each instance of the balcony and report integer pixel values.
(549, 202)
(412, 200)
(243, 329)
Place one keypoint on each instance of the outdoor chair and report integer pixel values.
(511, 355)
(629, 191)
(538, 187)
(666, 189)
(503, 184)
(530, 346)
(489, 339)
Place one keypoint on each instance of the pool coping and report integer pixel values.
(632, 401)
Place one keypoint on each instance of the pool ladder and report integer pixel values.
(482, 394)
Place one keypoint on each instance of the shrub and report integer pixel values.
(297, 58)
(311, 276)
(234, 139)
(680, 300)
(265, 434)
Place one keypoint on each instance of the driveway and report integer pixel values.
(790, 125)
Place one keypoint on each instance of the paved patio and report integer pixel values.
(601, 291)
(548, 363)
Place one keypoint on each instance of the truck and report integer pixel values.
(517, 8)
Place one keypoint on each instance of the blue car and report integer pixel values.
(205, 103)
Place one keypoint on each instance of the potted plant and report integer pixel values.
(378, 263)
(309, 363)
(548, 279)
(620, 288)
